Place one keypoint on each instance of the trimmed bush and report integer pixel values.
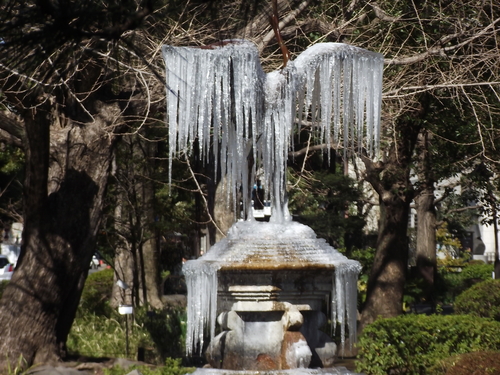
(450, 283)
(476, 363)
(166, 329)
(481, 271)
(97, 293)
(412, 344)
(482, 300)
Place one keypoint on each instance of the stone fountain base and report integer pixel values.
(269, 285)
(301, 371)
(271, 320)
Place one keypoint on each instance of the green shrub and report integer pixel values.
(166, 329)
(451, 282)
(101, 336)
(411, 344)
(483, 362)
(97, 293)
(160, 334)
(448, 286)
(482, 300)
(479, 270)
(99, 331)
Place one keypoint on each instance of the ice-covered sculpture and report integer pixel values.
(267, 282)
(222, 95)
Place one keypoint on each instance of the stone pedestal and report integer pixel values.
(271, 320)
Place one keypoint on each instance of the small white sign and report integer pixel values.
(125, 309)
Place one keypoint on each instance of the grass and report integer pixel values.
(160, 334)
(100, 336)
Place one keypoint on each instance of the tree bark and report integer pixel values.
(388, 274)
(224, 214)
(391, 180)
(426, 239)
(149, 250)
(67, 167)
(426, 218)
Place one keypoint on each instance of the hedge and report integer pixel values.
(412, 344)
(96, 293)
(475, 363)
(482, 300)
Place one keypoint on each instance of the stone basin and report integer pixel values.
(273, 285)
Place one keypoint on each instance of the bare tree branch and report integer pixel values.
(441, 50)
(285, 21)
(200, 191)
(11, 128)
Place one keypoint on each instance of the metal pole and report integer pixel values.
(126, 330)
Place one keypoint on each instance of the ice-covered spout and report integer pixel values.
(223, 98)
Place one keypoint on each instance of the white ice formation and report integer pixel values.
(222, 97)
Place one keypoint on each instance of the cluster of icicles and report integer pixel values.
(222, 98)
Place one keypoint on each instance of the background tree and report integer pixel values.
(430, 58)
(136, 257)
(448, 152)
(65, 95)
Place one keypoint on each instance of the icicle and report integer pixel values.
(201, 283)
(351, 304)
(218, 89)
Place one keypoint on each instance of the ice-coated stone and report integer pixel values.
(268, 282)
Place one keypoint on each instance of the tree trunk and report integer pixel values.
(426, 217)
(124, 264)
(388, 275)
(65, 197)
(391, 180)
(426, 239)
(136, 257)
(223, 212)
(496, 263)
(149, 252)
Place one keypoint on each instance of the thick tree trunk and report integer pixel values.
(388, 275)
(59, 234)
(391, 180)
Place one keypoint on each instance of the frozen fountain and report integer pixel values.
(260, 293)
